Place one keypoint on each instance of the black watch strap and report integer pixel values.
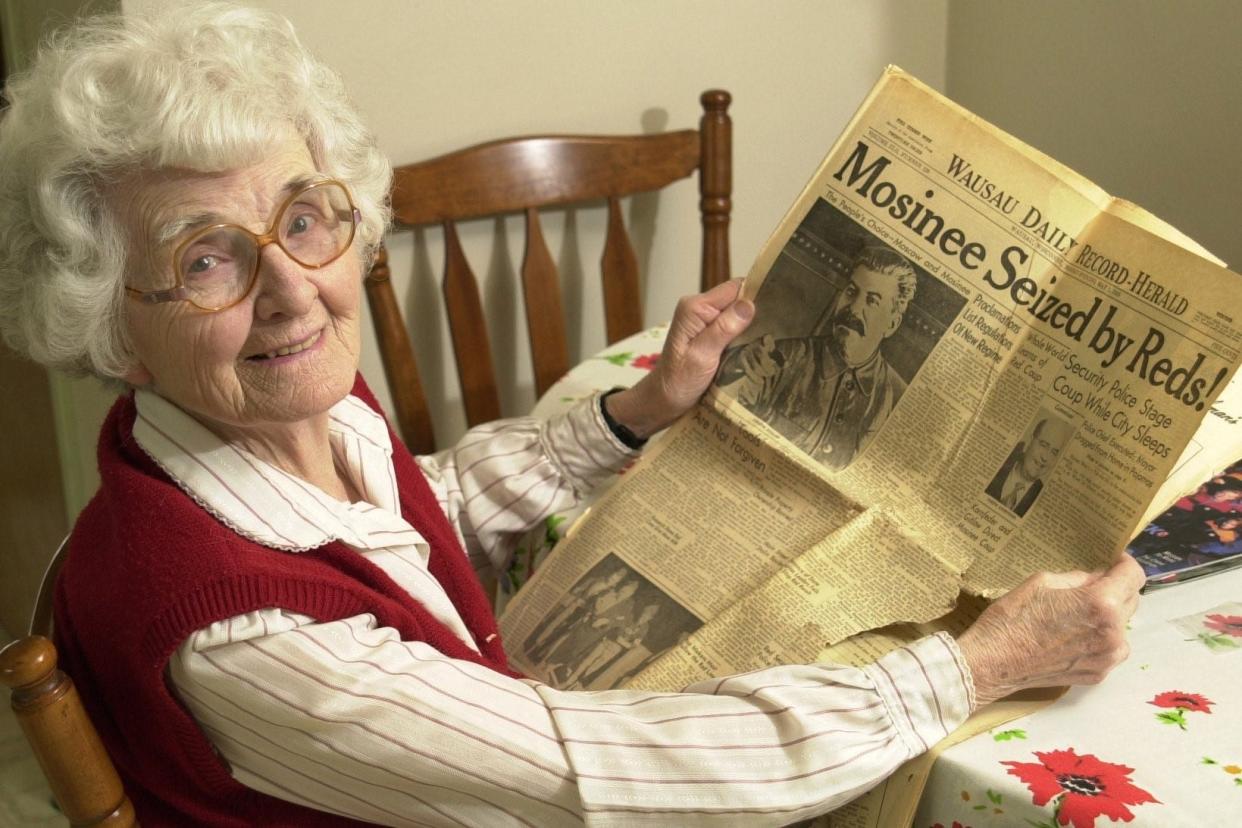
(628, 438)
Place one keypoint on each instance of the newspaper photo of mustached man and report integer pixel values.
(830, 391)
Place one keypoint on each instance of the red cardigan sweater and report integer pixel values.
(147, 566)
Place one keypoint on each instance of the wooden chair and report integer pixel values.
(82, 777)
(524, 175)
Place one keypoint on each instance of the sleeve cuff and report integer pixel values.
(926, 688)
(582, 445)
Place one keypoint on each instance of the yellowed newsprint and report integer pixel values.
(968, 363)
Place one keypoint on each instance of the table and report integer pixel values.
(1159, 743)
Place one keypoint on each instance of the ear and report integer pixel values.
(894, 324)
(137, 375)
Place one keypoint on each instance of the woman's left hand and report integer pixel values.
(702, 326)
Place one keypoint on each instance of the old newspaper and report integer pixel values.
(968, 363)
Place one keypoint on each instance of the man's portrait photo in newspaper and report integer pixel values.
(1020, 479)
(843, 324)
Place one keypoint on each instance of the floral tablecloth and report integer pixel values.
(620, 364)
(1159, 743)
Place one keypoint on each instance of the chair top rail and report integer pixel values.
(513, 174)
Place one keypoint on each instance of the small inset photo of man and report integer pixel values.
(1020, 478)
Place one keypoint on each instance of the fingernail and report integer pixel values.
(743, 309)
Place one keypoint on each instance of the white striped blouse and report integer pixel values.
(345, 717)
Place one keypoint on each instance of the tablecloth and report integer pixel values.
(1158, 743)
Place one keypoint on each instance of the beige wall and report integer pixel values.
(1141, 96)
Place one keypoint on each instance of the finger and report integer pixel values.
(694, 313)
(723, 294)
(702, 308)
(1128, 572)
(1121, 584)
(1122, 591)
(1068, 580)
(1113, 606)
(725, 327)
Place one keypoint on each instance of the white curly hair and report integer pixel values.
(203, 86)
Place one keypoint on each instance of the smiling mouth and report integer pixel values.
(288, 350)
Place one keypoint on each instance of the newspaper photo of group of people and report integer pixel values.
(615, 623)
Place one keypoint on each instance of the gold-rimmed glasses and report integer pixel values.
(218, 266)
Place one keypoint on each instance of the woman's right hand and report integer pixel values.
(703, 325)
(1053, 629)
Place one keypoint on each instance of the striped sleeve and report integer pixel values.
(345, 717)
(504, 477)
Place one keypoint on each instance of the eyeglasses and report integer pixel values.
(218, 266)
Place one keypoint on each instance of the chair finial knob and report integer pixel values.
(27, 661)
(715, 100)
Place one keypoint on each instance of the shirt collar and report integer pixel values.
(866, 375)
(269, 506)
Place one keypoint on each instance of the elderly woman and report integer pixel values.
(268, 606)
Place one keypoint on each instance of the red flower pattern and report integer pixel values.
(645, 361)
(1087, 787)
(1186, 701)
(1228, 624)
(956, 824)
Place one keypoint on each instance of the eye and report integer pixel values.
(202, 264)
(301, 223)
(212, 257)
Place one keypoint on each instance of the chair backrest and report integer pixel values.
(68, 748)
(524, 175)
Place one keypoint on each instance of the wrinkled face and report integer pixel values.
(284, 354)
(865, 314)
(1045, 447)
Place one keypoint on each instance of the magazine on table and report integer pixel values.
(1198, 535)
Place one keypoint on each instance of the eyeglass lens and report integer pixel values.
(218, 266)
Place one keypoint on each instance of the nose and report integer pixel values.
(284, 288)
